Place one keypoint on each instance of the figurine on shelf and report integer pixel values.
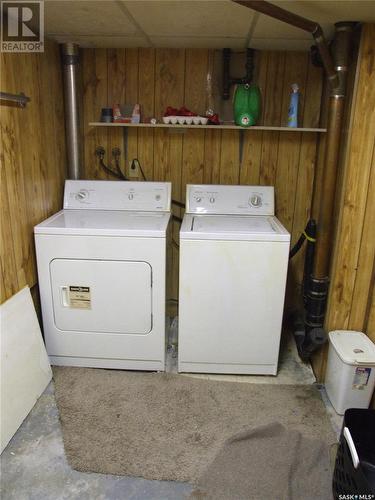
(127, 113)
(213, 118)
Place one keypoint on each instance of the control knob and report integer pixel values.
(82, 195)
(212, 199)
(256, 200)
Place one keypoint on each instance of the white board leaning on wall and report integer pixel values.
(25, 368)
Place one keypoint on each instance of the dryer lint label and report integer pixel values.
(79, 297)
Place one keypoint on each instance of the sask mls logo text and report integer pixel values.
(352, 496)
(22, 26)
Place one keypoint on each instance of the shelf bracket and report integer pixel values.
(125, 137)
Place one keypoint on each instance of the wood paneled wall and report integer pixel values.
(32, 160)
(162, 77)
(351, 300)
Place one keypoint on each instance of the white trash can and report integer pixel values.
(350, 375)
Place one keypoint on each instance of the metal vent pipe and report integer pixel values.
(70, 62)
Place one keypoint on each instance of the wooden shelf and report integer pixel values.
(211, 127)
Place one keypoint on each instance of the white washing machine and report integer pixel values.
(102, 269)
(233, 269)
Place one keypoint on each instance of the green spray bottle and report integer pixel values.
(246, 105)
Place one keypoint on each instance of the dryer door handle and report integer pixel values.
(64, 296)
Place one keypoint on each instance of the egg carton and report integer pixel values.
(185, 120)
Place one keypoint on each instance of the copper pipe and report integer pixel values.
(278, 13)
(321, 147)
(328, 186)
(341, 48)
(299, 22)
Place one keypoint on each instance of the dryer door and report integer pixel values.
(102, 296)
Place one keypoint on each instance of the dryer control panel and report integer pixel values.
(118, 195)
(219, 199)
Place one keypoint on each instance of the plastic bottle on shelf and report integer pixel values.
(293, 107)
(246, 105)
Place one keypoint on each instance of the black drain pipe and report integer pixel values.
(310, 233)
(228, 81)
(313, 296)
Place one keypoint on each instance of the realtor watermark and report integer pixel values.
(22, 26)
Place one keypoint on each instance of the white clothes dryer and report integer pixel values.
(102, 271)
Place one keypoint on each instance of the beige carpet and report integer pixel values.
(170, 427)
(268, 463)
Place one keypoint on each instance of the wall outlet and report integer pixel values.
(134, 172)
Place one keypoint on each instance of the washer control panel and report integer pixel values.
(118, 195)
(219, 199)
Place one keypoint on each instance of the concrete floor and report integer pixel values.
(34, 467)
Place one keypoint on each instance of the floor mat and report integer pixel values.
(162, 426)
(266, 463)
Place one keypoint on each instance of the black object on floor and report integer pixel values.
(350, 477)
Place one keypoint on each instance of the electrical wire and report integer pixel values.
(177, 219)
(174, 202)
(109, 170)
(297, 247)
(178, 204)
(100, 152)
(134, 160)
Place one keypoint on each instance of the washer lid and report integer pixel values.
(231, 227)
(105, 223)
(354, 348)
